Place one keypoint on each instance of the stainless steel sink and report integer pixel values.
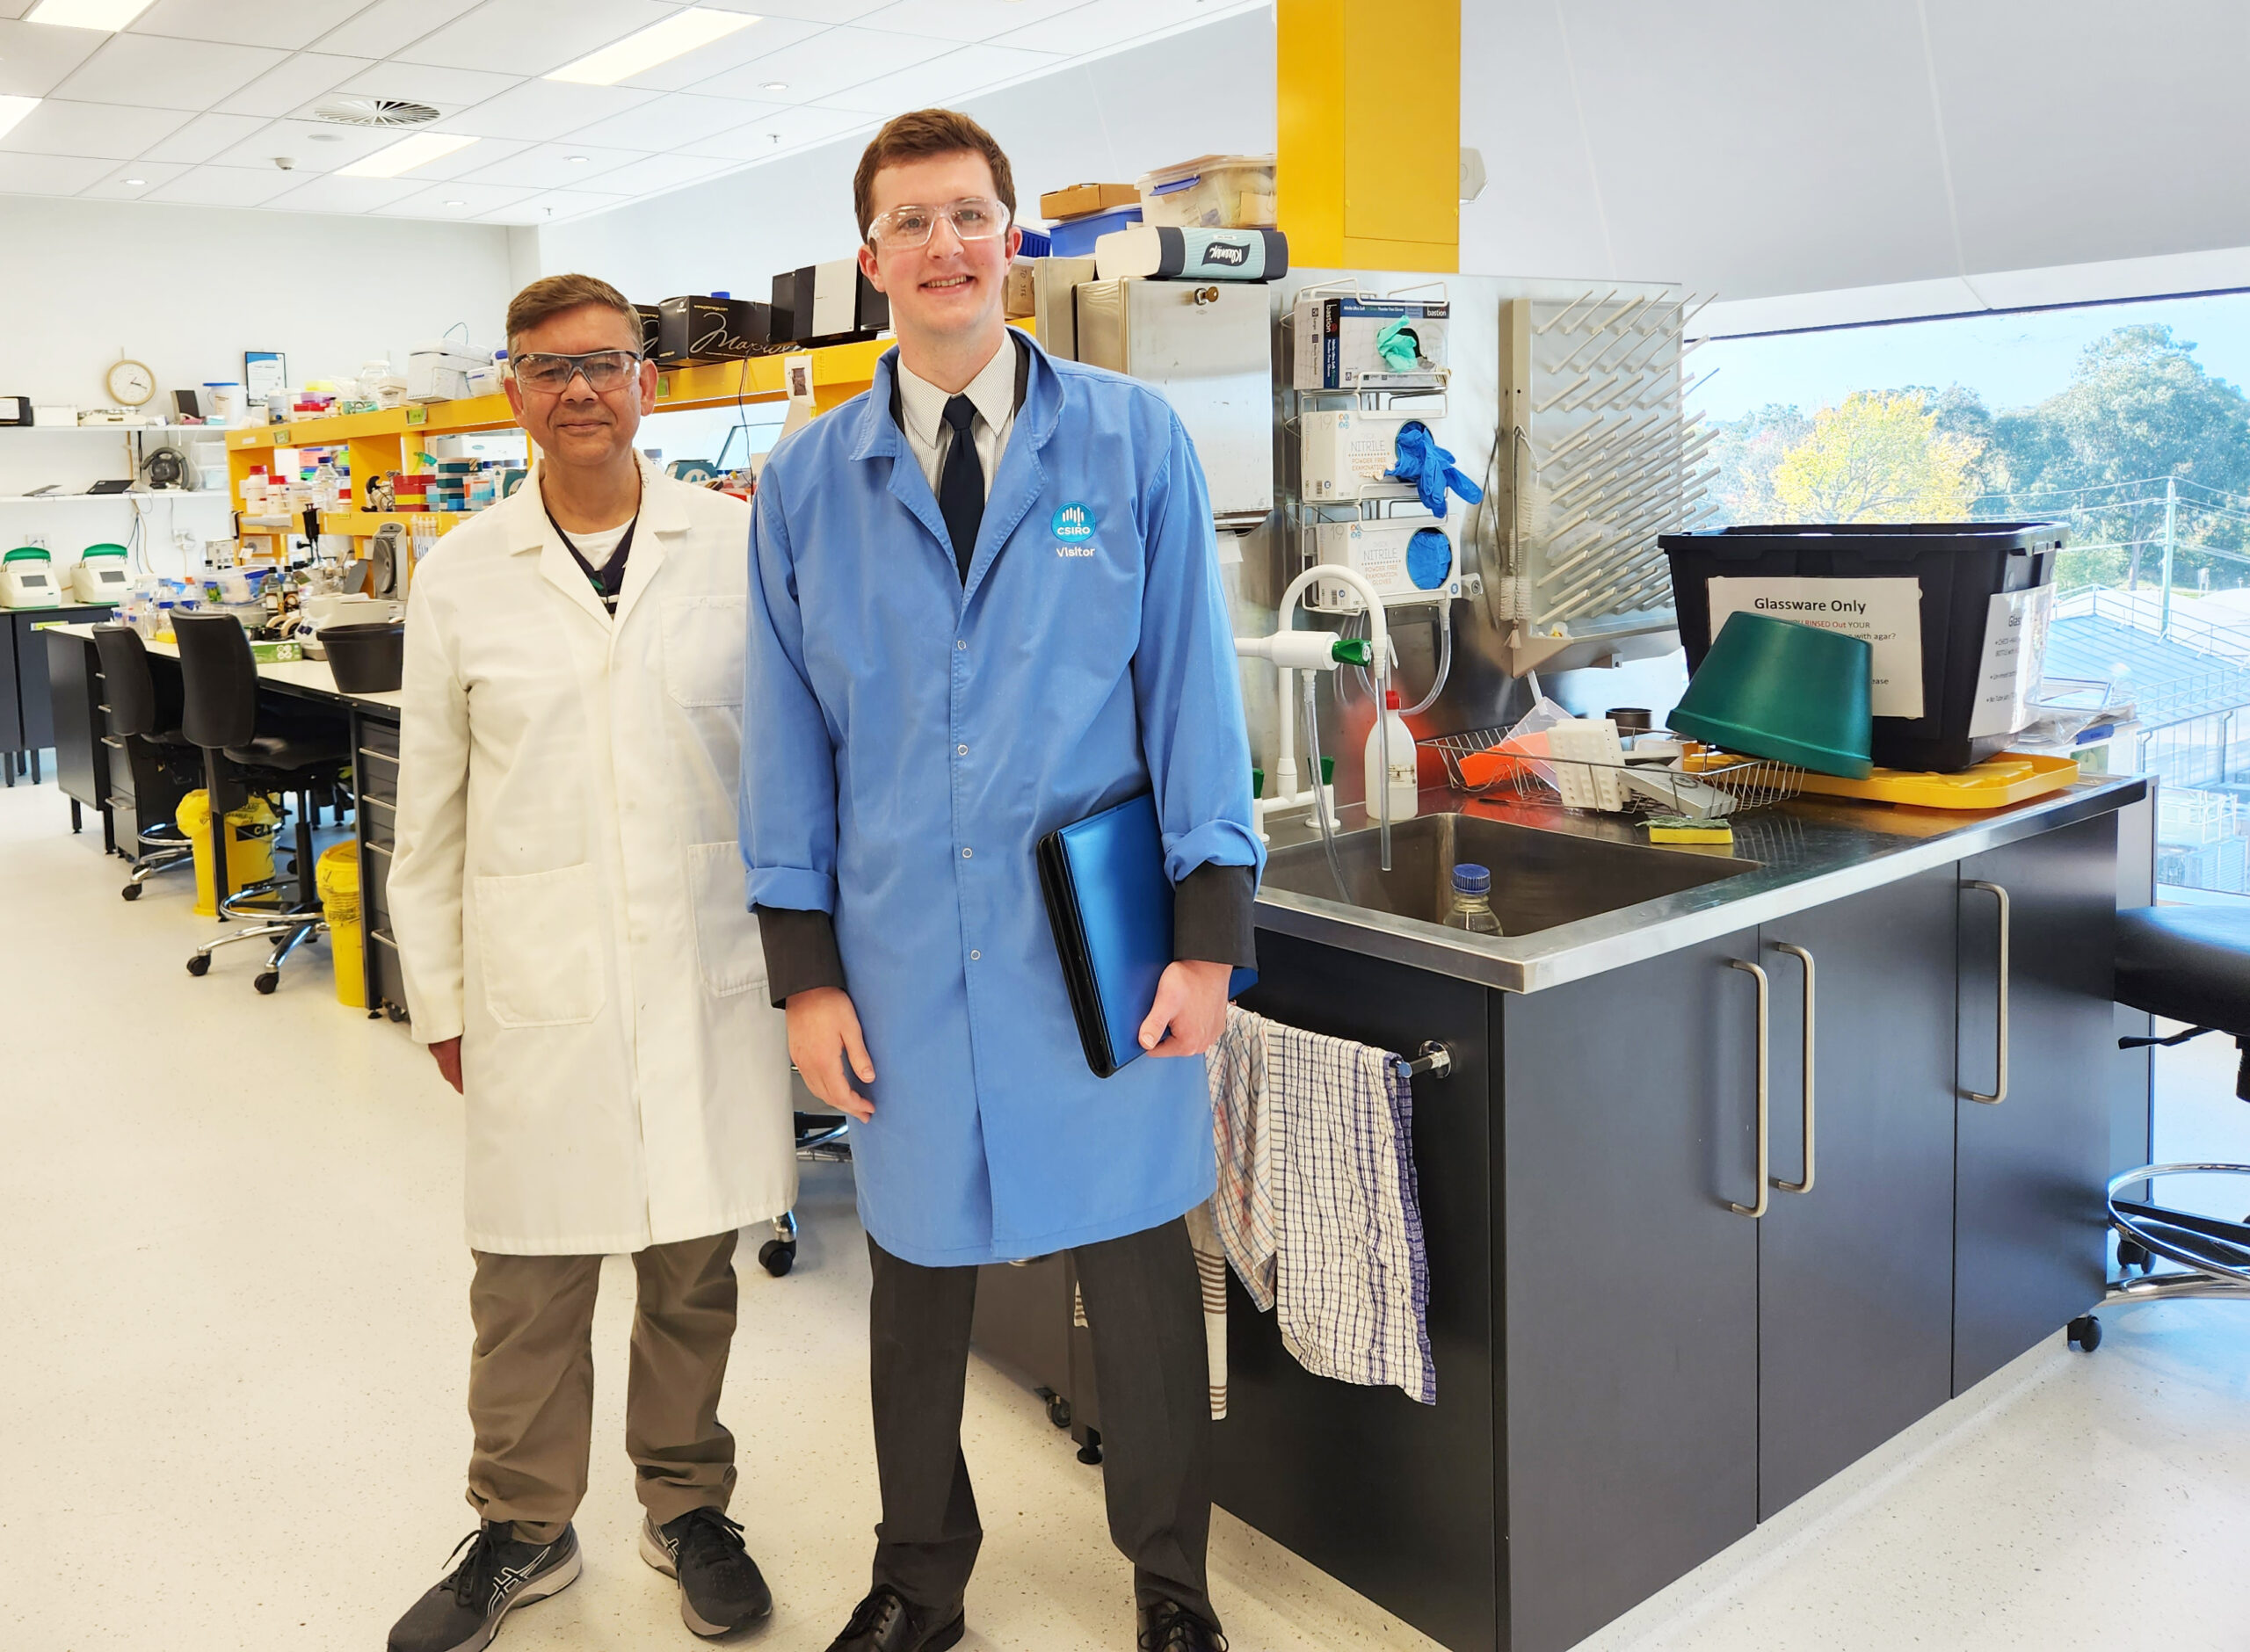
(1540, 879)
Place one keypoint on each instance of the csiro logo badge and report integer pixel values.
(1073, 525)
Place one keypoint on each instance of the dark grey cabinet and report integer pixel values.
(1854, 1274)
(2029, 1238)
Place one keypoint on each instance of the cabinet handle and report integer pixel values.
(1804, 957)
(1999, 1090)
(1759, 1209)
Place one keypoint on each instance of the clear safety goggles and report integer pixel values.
(908, 229)
(604, 369)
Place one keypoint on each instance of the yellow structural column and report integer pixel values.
(1369, 115)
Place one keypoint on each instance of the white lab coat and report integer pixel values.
(567, 893)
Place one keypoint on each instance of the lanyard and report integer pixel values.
(609, 579)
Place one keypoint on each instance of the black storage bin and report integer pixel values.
(366, 659)
(1961, 565)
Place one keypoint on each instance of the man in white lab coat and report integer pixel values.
(567, 894)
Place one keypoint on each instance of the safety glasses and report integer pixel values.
(908, 229)
(604, 369)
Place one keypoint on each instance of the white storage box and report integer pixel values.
(440, 371)
(1211, 191)
(1391, 553)
(1346, 452)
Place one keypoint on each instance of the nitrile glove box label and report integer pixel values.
(1336, 342)
(1887, 613)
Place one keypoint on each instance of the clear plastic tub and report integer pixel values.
(1212, 191)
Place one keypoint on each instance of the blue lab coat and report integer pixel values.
(907, 741)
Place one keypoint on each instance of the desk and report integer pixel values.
(27, 708)
(74, 669)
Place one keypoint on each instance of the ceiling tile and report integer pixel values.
(808, 11)
(145, 68)
(223, 186)
(35, 59)
(818, 68)
(531, 37)
(445, 89)
(1100, 24)
(668, 122)
(49, 174)
(942, 80)
(316, 146)
(767, 35)
(120, 184)
(539, 110)
(437, 202)
(204, 137)
(550, 166)
(292, 83)
(387, 24)
(780, 132)
(553, 206)
(100, 130)
(654, 174)
(246, 22)
(346, 194)
(16, 8)
(965, 19)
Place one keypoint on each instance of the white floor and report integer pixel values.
(232, 1337)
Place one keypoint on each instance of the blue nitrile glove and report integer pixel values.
(1399, 347)
(1430, 469)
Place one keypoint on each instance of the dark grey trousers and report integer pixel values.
(1144, 1307)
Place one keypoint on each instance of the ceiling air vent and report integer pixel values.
(375, 111)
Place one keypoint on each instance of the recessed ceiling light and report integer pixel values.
(88, 14)
(14, 108)
(580, 159)
(658, 43)
(456, 203)
(135, 182)
(405, 155)
(773, 85)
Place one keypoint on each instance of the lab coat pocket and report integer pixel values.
(727, 943)
(703, 650)
(540, 936)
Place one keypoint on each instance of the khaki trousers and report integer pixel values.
(530, 1383)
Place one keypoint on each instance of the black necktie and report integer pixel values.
(960, 485)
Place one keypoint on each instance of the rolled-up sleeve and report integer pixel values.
(1187, 685)
(787, 810)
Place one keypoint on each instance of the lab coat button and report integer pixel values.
(968, 854)
(961, 643)
(961, 751)
(974, 955)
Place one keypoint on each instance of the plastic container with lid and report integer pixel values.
(1402, 758)
(1472, 900)
(1212, 191)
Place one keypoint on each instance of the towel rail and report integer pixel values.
(1434, 1061)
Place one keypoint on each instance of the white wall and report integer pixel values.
(187, 290)
(1207, 91)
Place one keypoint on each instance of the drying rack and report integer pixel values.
(1751, 783)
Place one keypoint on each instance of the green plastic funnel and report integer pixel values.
(1789, 692)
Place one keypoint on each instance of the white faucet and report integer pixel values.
(1292, 651)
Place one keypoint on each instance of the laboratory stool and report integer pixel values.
(2192, 964)
(144, 718)
(823, 1138)
(250, 748)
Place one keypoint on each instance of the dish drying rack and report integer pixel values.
(1745, 784)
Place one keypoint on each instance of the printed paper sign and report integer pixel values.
(2016, 660)
(1888, 613)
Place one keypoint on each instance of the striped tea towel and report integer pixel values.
(1211, 1269)
(1317, 1208)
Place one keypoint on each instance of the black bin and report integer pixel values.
(366, 659)
(1961, 565)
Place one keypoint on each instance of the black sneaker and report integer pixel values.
(887, 1621)
(496, 1576)
(720, 1588)
(1167, 1626)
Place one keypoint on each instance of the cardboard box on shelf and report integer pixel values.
(1081, 198)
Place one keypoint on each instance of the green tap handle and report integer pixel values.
(1353, 651)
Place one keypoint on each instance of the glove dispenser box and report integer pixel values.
(1406, 559)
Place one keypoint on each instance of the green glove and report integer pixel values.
(1398, 346)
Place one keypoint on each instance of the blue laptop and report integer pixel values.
(1110, 906)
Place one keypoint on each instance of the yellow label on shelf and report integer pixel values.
(417, 416)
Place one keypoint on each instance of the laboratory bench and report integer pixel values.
(28, 725)
(91, 767)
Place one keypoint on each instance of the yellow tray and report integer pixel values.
(2010, 777)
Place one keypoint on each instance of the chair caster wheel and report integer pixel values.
(201, 964)
(2084, 1333)
(131, 892)
(267, 980)
(2132, 1256)
(777, 1257)
(1058, 1410)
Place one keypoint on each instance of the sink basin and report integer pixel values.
(1540, 879)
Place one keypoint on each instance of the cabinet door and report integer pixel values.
(1629, 1125)
(1395, 1498)
(12, 717)
(2029, 1230)
(37, 709)
(1855, 1274)
(71, 669)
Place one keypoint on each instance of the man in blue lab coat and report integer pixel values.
(984, 602)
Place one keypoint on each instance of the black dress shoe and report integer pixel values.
(1169, 1627)
(887, 1621)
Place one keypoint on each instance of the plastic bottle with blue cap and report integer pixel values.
(1472, 900)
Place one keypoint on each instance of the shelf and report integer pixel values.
(361, 524)
(123, 430)
(115, 498)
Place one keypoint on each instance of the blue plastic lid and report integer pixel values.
(1468, 878)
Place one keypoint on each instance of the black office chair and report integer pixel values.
(145, 715)
(2192, 964)
(250, 749)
